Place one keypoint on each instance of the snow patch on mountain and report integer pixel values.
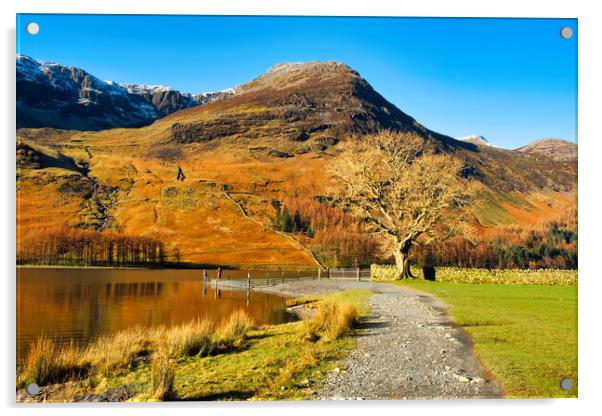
(60, 89)
(476, 139)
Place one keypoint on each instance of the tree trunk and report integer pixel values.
(402, 261)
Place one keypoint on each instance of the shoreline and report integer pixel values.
(261, 344)
(182, 266)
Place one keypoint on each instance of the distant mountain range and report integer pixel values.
(556, 149)
(67, 97)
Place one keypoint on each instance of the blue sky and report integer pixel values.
(510, 80)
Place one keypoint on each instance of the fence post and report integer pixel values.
(267, 278)
(319, 273)
(358, 274)
(282, 275)
(248, 281)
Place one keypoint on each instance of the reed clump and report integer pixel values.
(163, 374)
(190, 339)
(330, 321)
(120, 352)
(233, 332)
(47, 364)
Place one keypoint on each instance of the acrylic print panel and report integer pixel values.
(241, 208)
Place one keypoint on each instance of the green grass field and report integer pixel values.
(525, 334)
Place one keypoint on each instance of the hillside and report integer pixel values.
(272, 140)
(557, 149)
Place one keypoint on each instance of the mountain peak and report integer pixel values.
(476, 139)
(299, 106)
(557, 149)
(325, 66)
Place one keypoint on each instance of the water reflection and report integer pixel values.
(80, 304)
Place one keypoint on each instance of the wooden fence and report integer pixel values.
(257, 278)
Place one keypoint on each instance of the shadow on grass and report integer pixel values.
(259, 336)
(224, 395)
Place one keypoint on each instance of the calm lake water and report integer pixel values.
(81, 304)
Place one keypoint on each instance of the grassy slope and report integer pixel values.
(526, 335)
(193, 215)
(277, 364)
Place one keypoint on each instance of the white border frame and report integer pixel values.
(590, 150)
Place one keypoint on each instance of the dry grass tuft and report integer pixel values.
(232, 333)
(121, 351)
(47, 364)
(163, 374)
(193, 338)
(41, 362)
(331, 321)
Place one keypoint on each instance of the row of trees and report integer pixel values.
(72, 246)
(547, 244)
(336, 237)
(460, 252)
(288, 223)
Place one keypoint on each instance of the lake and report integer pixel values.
(68, 304)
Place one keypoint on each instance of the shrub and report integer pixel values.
(429, 273)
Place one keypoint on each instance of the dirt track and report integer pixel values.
(406, 349)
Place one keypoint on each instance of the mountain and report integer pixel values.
(476, 139)
(298, 106)
(273, 140)
(66, 97)
(556, 149)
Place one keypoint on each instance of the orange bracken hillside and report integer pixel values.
(273, 140)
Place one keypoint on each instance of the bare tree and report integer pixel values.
(402, 189)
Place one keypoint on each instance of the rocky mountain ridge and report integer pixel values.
(67, 97)
(556, 149)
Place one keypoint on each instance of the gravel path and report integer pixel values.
(406, 349)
